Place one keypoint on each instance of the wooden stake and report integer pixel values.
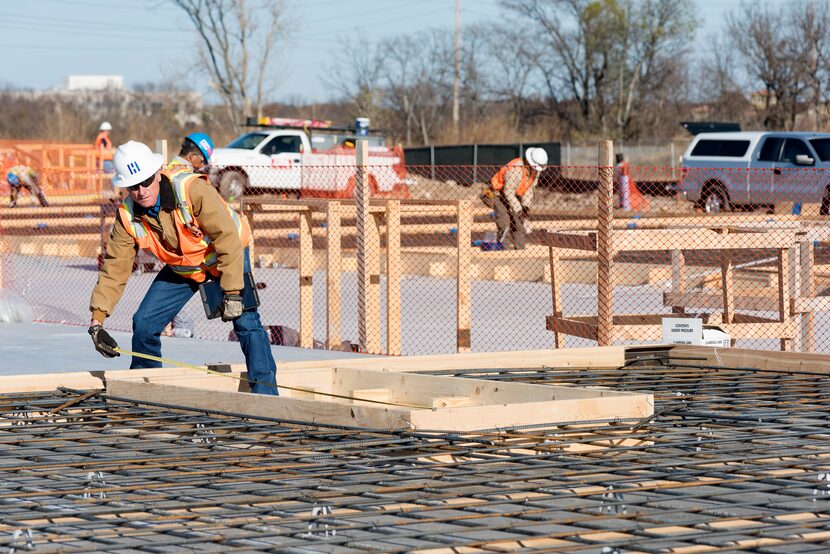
(393, 278)
(678, 277)
(806, 320)
(463, 285)
(605, 247)
(306, 268)
(333, 269)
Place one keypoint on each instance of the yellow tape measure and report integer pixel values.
(177, 363)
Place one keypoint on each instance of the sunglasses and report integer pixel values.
(143, 184)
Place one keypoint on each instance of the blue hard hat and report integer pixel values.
(203, 142)
(13, 180)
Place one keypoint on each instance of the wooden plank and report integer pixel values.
(571, 241)
(338, 413)
(393, 278)
(556, 291)
(373, 285)
(649, 240)
(306, 271)
(605, 241)
(510, 415)
(814, 304)
(573, 327)
(760, 359)
(608, 356)
(333, 274)
(711, 301)
(678, 279)
(806, 256)
(463, 314)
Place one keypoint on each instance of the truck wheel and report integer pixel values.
(714, 201)
(232, 185)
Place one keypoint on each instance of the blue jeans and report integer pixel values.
(167, 296)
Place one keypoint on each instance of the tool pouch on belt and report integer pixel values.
(212, 295)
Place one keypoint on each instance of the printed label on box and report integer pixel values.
(682, 330)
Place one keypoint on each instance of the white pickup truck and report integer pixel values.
(725, 171)
(317, 164)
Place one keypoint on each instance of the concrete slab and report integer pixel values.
(32, 348)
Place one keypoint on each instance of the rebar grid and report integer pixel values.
(733, 460)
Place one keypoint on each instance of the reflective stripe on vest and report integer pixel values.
(198, 255)
(516, 164)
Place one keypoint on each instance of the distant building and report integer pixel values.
(94, 82)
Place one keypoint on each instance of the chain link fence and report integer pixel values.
(433, 277)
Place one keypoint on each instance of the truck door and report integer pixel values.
(761, 175)
(790, 184)
(286, 162)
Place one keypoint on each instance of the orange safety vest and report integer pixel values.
(497, 182)
(198, 257)
(103, 144)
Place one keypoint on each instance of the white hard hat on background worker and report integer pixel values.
(537, 158)
(134, 162)
(105, 126)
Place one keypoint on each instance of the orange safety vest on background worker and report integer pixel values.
(516, 164)
(103, 145)
(638, 201)
(198, 257)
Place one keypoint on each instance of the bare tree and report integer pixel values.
(784, 52)
(237, 42)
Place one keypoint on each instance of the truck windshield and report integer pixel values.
(822, 148)
(248, 141)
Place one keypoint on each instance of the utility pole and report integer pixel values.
(456, 82)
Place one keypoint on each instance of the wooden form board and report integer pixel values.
(756, 359)
(603, 357)
(410, 401)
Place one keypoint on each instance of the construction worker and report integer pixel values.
(103, 147)
(512, 189)
(183, 221)
(194, 154)
(21, 176)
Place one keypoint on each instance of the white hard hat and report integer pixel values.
(537, 158)
(134, 162)
(105, 126)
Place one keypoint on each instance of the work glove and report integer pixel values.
(231, 306)
(103, 342)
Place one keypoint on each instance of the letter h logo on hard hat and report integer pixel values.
(133, 168)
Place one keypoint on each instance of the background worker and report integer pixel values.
(103, 147)
(173, 216)
(194, 154)
(21, 176)
(512, 189)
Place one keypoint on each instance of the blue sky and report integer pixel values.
(43, 41)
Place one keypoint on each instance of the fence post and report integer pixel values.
(605, 253)
(333, 269)
(462, 275)
(673, 161)
(432, 162)
(393, 278)
(368, 274)
(475, 163)
(306, 267)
